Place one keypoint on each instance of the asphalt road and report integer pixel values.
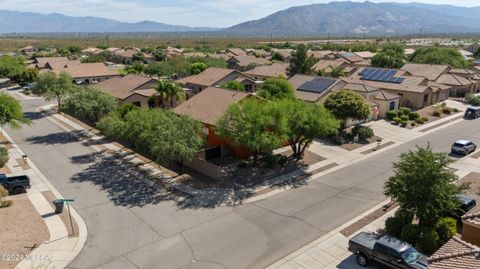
(131, 225)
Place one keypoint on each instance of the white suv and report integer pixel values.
(463, 147)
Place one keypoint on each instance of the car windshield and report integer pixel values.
(459, 145)
(410, 255)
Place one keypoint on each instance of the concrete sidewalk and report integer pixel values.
(60, 249)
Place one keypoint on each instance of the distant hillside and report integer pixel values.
(27, 22)
(347, 18)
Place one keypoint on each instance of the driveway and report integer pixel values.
(132, 225)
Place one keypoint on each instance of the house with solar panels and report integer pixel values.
(413, 91)
(315, 89)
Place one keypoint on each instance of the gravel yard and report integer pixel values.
(21, 229)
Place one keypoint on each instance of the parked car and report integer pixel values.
(472, 112)
(28, 87)
(386, 250)
(463, 146)
(15, 184)
(467, 203)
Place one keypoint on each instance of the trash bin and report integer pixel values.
(58, 206)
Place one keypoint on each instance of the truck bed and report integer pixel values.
(365, 240)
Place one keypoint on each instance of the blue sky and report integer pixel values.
(214, 13)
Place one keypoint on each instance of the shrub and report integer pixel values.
(446, 110)
(410, 233)
(397, 120)
(3, 156)
(428, 241)
(338, 139)
(3, 195)
(419, 121)
(404, 118)
(405, 215)
(425, 119)
(437, 113)
(446, 228)
(404, 123)
(391, 114)
(405, 110)
(394, 225)
(443, 104)
(242, 164)
(455, 110)
(270, 160)
(282, 160)
(364, 132)
(413, 115)
(413, 124)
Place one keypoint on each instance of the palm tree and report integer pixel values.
(170, 93)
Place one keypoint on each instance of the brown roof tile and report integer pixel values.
(237, 51)
(209, 77)
(455, 254)
(429, 71)
(245, 60)
(123, 87)
(210, 104)
(472, 216)
(86, 70)
(273, 70)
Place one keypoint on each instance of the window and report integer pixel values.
(425, 98)
(151, 103)
(392, 106)
(400, 94)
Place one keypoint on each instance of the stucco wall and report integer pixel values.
(471, 233)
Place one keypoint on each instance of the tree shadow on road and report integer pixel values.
(34, 115)
(134, 185)
(55, 138)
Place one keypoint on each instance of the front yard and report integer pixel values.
(22, 230)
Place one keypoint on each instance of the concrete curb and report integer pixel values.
(61, 249)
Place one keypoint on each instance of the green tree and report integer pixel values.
(300, 62)
(337, 72)
(160, 69)
(3, 156)
(424, 184)
(53, 86)
(89, 104)
(276, 88)
(16, 69)
(277, 57)
(438, 55)
(253, 124)
(234, 85)
(138, 57)
(177, 140)
(170, 93)
(392, 55)
(11, 113)
(305, 122)
(347, 104)
(197, 68)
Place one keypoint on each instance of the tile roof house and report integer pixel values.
(243, 62)
(322, 54)
(87, 73)
(236, 52)
(286, 53)
(208, 107)
(455, 254)
(467, 55)
(313, 88)
(215, 76)
(350, 57)
(28, 50)
(260, 53)
(127, 56)
(414, 91)
(429, 71)
(264, 72)
(365, 54)
(383, 100)
(91, 51)
(135, 89)
(409, 53)
(327, 66)
(45, 62)
(471, 226)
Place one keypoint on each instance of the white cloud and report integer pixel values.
(216, 13)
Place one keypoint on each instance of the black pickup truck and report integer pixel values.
(386, 250)
(15, 184)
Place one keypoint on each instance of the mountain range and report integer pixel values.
(334, 18)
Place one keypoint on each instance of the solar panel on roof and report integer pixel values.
(383, 75)
(317, 85)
